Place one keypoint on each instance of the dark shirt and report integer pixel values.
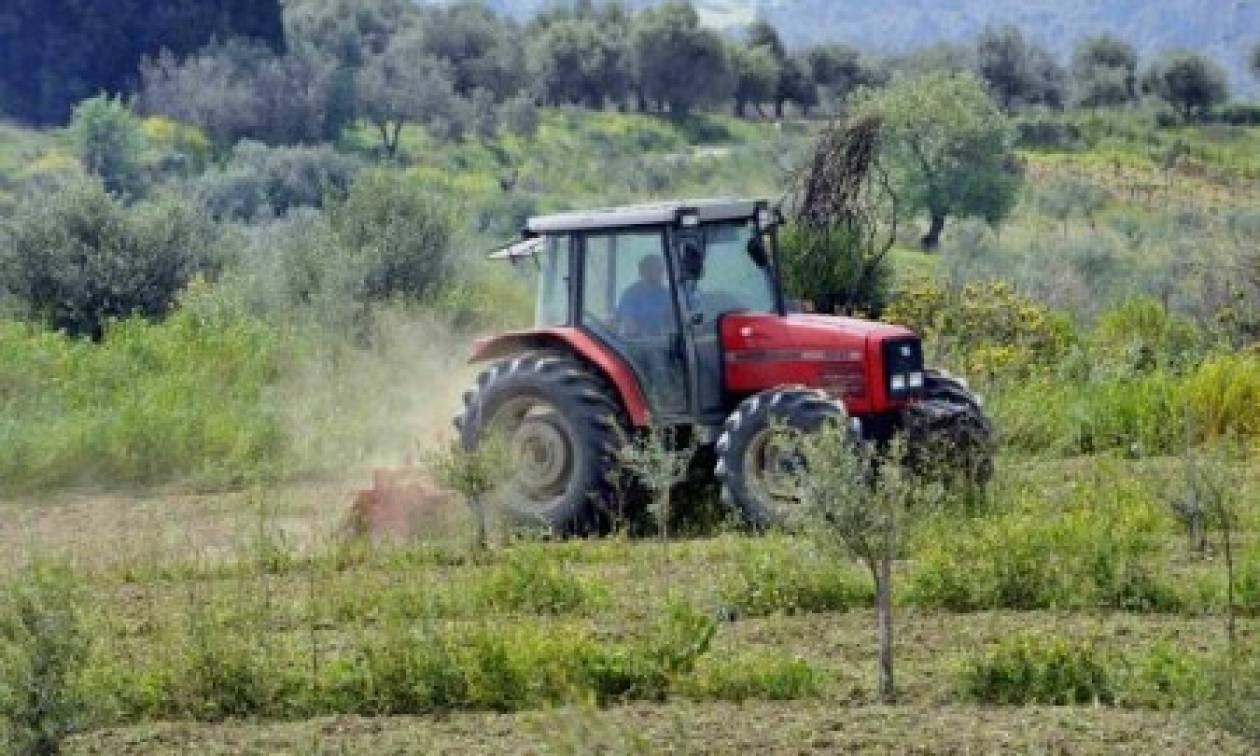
(645, 310)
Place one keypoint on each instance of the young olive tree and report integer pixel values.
(864, 505)
(657, 462)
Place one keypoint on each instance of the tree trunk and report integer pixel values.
(778, 108)
(932, 239)
(883, 626)
(393, 147)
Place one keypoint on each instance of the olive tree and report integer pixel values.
(867, 513)
(1104, 71)
(1189, 82)
(756, 77)
(108, 140)
(78, 256)
(948, 148)
(1017, 71)
(668, 41)
(578, 61)
(404, 84)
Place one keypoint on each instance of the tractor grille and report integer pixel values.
(903, 368)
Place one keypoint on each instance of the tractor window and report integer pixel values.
(553, 283)
(626, 285)
(732, 281)
(628, 303)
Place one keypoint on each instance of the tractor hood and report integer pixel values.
(850, 358)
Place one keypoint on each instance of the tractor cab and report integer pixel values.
(673, 315)
(652, 283)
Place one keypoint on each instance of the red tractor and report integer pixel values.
(672, 315)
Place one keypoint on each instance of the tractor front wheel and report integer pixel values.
(564, 428)
(758, 462)
(948, 437)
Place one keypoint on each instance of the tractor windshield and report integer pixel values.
(732, 280)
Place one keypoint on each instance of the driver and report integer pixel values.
(645, 310)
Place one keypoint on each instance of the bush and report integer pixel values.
(1237, 114)
(764, 676)
(834, 273)
(1082, 558)
(241, 90)
(1042, 128)
(263, 181)
(78, 257)
(187, 399)
(521, 116)
(397, 235)
(776, 575)
(1140, 335)
(528, 581)
(44, 645)
(1031, 670)
(108, 139)
(986, 327)
(1222, 397)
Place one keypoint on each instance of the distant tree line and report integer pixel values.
(245, 69)
(54, 53)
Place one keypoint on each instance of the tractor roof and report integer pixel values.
(651, 214)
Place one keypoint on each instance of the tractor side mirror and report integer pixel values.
(757, 251)
(691, 260)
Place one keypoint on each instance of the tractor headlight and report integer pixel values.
(916, 379)
(899, 382)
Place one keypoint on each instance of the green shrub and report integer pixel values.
(987, 328)
(77, 257)
(1149, 411)
(1222, 397)
(774, 676)
(1164, 677)
(529, 581)
(188, 399)
(1032, 670)
(397, 235)
(409, 669)
(1140, 334)
(790, 576)
(44, 645)
(260, 181)
(832, 272)
(1028, 560)
(108, 139)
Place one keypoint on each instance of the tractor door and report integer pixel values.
(628, 303)
(729, 276)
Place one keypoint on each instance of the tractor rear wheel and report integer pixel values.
(564, 428)
(948, 436)
(758, 463)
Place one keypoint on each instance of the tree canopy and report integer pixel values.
(1104, 71)
(1189, 82)
(1017, 71)
(948, 147)
(54, 53)
(669, 39)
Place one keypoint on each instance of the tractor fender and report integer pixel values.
(578, 343)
